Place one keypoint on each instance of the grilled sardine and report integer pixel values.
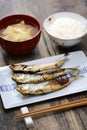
(40, 77)
(38, 67)
(46, 87)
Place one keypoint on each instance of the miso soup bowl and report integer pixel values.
(61, 41)
(23, 47)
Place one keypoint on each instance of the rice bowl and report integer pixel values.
(66, 28)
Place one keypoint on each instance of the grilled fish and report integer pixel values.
(46, 87)
(38, 67)
(40, 77)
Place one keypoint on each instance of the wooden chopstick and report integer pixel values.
(72, 104)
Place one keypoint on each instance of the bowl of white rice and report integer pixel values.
(66, 28)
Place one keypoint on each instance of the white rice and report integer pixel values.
(67, 28)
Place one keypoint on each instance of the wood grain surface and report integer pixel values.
(73, 119)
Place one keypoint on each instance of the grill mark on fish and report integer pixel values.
(38, 67)
(52, 71)
(60, 81)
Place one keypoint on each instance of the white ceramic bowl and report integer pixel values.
(65, 42)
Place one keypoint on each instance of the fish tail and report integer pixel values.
(61, 60)
(77, 75)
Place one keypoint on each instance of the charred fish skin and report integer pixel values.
(38, 67)
(46, 87)
(17, 67)
(41, 77)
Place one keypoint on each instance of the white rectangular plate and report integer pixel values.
(11, 98)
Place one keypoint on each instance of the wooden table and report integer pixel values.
(73, 119)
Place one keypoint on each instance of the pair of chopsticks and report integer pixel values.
(64, 106)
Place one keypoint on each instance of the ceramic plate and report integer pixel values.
(11, 98)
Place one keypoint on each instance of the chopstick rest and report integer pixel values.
(28, 120)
